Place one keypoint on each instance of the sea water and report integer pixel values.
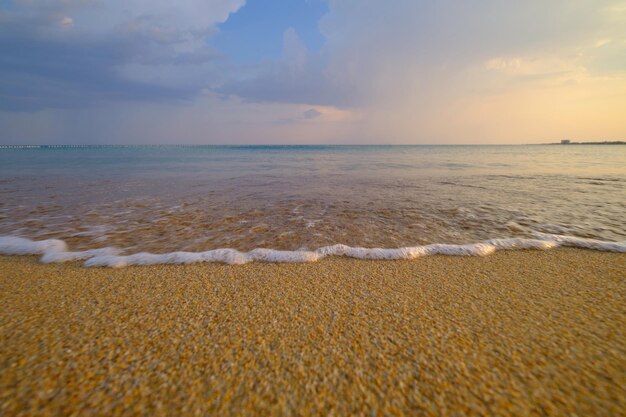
(306, 202)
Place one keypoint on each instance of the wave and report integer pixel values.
(54, 251)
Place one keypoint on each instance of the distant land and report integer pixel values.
(606, 142)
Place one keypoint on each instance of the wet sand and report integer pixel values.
(516, 333)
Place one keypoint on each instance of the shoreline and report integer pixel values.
(57, 251)
(517, 332)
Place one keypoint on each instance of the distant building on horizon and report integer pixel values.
(565, 142)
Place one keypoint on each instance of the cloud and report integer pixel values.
(502, 64)
(298, 77)
(402, 71)
(307, 115)
(311, 114)
(69, 53)
(377, 52)
(479, 71)
(66, 21)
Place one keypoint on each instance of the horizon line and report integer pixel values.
(84, 145)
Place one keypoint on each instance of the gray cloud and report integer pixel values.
(52, 60)
(36, 74)
(311, 114)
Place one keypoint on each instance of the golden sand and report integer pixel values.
(517, 333)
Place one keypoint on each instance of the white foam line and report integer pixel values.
(54, 250)
(11, 245)
(580, 242)
(56, 256)
(521, 243)
(229, 256)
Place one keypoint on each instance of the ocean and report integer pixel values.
(164, 199)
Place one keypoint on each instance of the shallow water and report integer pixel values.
(162, 199)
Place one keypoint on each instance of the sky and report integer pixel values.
(311, 71)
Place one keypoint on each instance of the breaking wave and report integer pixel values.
(54, 250)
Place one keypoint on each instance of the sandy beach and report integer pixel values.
(516, 333)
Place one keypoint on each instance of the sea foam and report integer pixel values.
(12, 245)
(63, 256)
(579, 242)
(54, 250)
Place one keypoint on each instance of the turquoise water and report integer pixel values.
(161, 198)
